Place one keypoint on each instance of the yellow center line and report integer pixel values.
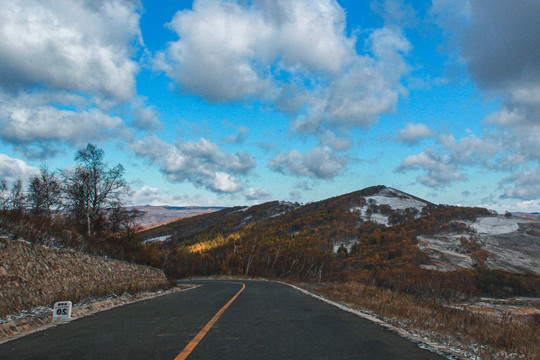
(193, 343)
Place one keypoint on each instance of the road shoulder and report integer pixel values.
(41, 319)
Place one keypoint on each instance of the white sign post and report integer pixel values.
(62, 311)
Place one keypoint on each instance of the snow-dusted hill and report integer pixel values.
(512, 244)
(452, 237)
(395, 199)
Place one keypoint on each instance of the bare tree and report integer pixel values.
(3, 194)
(17, 198)
(92, 189)
(44, 192)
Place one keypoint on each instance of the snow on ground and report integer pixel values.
(347, 244)
(156, 239)
(379, 219)
(497, 225)
(513, 245)
(391, 197)
(443, 254)
(395, 200)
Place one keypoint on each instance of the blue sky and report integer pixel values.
(238, 102)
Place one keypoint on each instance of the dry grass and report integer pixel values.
(482, 336)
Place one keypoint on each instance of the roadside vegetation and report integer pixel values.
(476, 332)
(81, 208)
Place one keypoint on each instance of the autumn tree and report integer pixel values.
(92, 189)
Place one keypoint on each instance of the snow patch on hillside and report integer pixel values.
(347, 244)
(396, 200)
(513, 245)
(156, 239)
(379, 219)
(496, 225)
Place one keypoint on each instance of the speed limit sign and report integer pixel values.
(62, 310)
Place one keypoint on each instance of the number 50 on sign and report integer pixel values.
(62, 310)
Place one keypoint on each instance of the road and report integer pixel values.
(266, 321)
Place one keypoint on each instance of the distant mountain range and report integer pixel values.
(378, 222)
(156, 215)
(533, 216)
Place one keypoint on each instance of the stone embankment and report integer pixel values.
(34, 275)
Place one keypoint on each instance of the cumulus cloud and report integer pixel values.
(35, 127)
(335, 142)
(147, 195)
(257, 194)
(144, 116)
(75, 45)
(499, 44)
(201, 163)
(470, 149)
(63, 67)
(294, 55)
(441, 164)
(414, 133)
(319, 163)
(526, 185)
(13, 169)
(439, 168)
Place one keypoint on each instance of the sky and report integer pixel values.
(239, 102)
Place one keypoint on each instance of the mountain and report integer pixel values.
(374, 228)
(532, 216)
(156, 215)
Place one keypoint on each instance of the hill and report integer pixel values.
(378, 234)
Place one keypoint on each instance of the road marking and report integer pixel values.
(193, 343)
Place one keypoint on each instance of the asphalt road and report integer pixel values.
(267, 321)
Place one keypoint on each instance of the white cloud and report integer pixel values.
(224, 183)
(201, 163)
(35, 127)
(69, 45)
(414, 133)
(147, 195)
(528, 206)
(338, 143)
(470, 149)
(526, 185)
(439, 168)
(497, 41)
(81, 46)
(319, 163)
(13, 169)
(63, 66)
(269, 50)
(144, 116)
(257, 194)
